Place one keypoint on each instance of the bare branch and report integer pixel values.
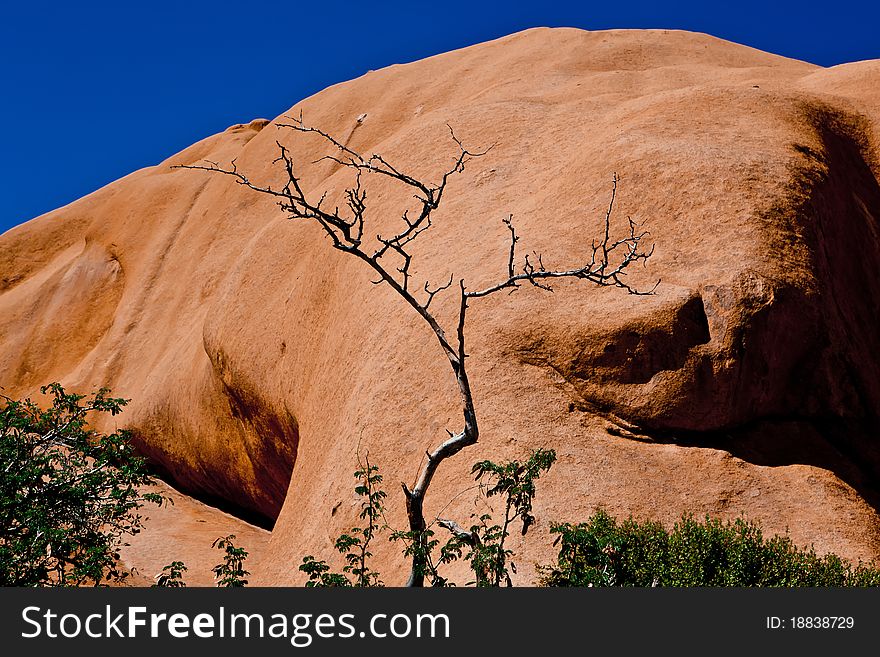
(432, 293)
(471, 538)
(511, 261)
(299, 126)
(603, 271)
(462, 313)
(608, 263)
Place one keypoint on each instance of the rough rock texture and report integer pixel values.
(259, 359)
(184, 530)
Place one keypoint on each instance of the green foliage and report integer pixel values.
(68, 495)
(354, 546)
(320, 575)
(516, 482)
(483, 547)
(171, 576)
(419, 548)
(603, 552)
(230, 573)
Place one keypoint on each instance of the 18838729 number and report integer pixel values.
(811, 623)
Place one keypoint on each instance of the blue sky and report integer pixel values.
(94, 90)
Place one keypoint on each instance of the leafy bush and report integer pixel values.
(67, 494)
(230, 573)
(603, 552)
(171, 576)
(355, 546)
(482, 546)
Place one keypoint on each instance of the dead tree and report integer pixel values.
(390, 257)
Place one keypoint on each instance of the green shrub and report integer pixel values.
(230, 573)
(604, 552)
(483, 546)
(355, 546)
(68, 495)
(171, 576)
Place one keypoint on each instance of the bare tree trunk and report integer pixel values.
(347, 233)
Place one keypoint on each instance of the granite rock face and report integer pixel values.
(259, 360)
